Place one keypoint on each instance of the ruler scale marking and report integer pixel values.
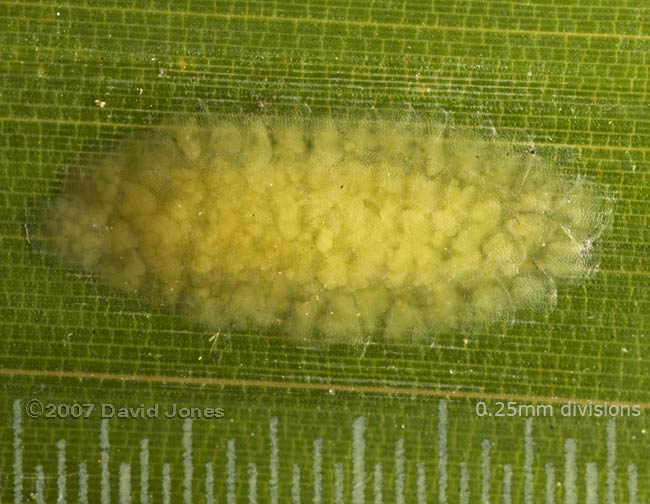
(442, 452)
(464, 484)
(18, 451)
(274, 477)
(611, 461)
(83, 483)
(591, 483)
(166, 484)
(61, 476)
(295, 484)
(104, 459)
(377, 484)
(317, 467)
(356, 464)
(125, 483)
(144, 471)
(486, 471)
(399, 471)
(632, 484)
(39, 486)
(421, 487)
(209, 483)
(339, 485)
(188, 469)
(529, 460)
(507, 484)
(252, 483)
(231, 457)
(570, 472)
(549, 469)
(358, 460)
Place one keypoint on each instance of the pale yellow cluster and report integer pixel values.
(332, 231)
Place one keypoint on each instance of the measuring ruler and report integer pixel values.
(590, 470)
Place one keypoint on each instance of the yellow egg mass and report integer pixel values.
(334, 231)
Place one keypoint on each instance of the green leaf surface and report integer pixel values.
(567, 78)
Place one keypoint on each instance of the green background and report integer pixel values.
(567, 78)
